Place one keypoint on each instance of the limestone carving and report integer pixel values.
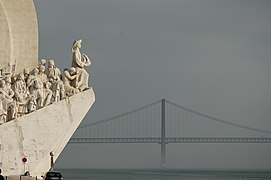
(8, 105)
(57, 89)
(26, 74)
(21, 95)
(42, 62)
(79, 62)
(33, 81)
(69, 79)
(47, 93)
(3, 115)
(41, 75)
(8, 88)
(52, 70)
(35, 86)
(39, 87)
(31, 105)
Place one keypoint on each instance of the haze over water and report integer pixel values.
(170, 174)
(212, 56)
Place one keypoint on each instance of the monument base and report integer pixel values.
(35, 135)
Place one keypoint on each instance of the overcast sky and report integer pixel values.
(212, 56)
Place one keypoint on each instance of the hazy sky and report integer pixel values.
(212, 56)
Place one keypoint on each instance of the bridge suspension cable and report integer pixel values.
(165, 122)
(119, 116)
(219, 120)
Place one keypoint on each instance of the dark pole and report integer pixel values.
(52, 160)
(163, 133)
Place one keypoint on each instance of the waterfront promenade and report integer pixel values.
(16, 177)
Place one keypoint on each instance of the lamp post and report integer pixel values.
(52, 160)
(24, 160)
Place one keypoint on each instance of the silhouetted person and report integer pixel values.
(1, 177)
(27, 173)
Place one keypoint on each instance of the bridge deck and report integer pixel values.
(173, 140)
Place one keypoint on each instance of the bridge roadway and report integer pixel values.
(173, 140)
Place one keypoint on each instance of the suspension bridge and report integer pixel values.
(165, 122)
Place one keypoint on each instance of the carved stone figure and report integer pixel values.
(35, 86)
(42, 76)
(8, 105)
(6, 71)
(47, 93)
(8, 88)
(21, 95)
(33, 80)
(42, 62)
(26, 74)
(10, 93)
(57, 89)
(26, 92)
(31, 105)
(69, 79)
(79, 62)
(20, 88)
(3, 114)
(52, 70)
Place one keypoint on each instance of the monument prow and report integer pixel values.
(36, 134)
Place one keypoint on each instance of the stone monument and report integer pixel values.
(40, 107)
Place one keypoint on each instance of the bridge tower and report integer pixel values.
(163, 133)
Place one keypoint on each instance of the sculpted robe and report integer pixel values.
(79, 61)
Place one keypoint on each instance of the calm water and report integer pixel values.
(168, 174)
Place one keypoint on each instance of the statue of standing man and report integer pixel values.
(79, 62)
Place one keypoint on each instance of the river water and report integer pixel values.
(165, 174)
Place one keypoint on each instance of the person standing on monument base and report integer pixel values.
(1, 177)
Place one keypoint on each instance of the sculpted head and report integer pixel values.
(42, 69)
(35, 71)
(20, 76)
(51, 63)
(77, 44)
(47, 85)
(56, 78)
(43, 62)
(72, 71)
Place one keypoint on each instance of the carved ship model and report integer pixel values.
(32, 132)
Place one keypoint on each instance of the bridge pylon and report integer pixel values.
(163, 133)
